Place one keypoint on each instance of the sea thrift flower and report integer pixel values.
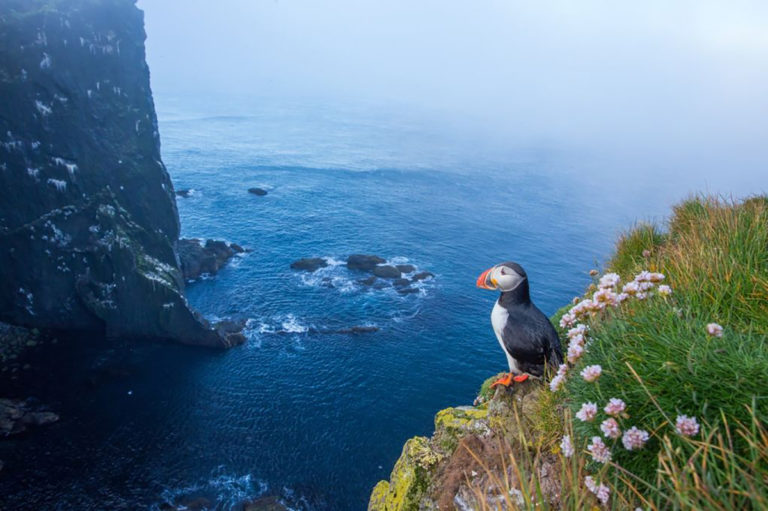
(645, 286)
(665, 290)
(604, 297)
(589, 482)
(657, 277)
(591, 373)
(575, 351)
(621, 297)
(566, 446)
(631, 288)
(615, 406)
(556, 383)
(567, 320)
(686, 426)
(643, 276)
(600, 452)
(641, 296)
(714, 330)
(587, 412)
(577, 331)
(610, 428)
(634, 438)
(603, 493)
(646, 253)
(609, 280)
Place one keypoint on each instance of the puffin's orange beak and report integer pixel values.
(484, 281)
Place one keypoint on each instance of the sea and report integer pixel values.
(302, 412)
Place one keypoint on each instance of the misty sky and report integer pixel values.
(664, 74)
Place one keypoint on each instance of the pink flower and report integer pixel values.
(621, 297)
(657, 277)
(610, 428)
(566, 446)
(643, 276)
(578, 331)
(609, 280)
(603, 493)
(645, 286)
(567, 320)
(562, 369)
(631, 288)
(604, 297)
(714, 330)
(556, 383)
(615, 406)
(575, 351)
(587, 412)
(600, 452)
(686, 426)
(591, 373)
(641, 296)
(665, 290)
(634, 438)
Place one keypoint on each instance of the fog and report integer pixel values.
(686, 80)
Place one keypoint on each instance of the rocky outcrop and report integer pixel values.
(468, 455)
(88, 223)
(200, 258)
(257, 191)
(16, 416)
(363, 262)
(309, 264)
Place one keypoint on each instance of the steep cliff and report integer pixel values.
(88, 219)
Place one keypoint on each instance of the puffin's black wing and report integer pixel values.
(531, 339)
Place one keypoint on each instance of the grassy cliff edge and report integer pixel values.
(662, 404)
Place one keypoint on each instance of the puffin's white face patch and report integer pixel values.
(506, 278)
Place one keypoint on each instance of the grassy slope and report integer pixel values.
(657, 357)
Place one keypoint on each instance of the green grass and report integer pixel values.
(656, 354)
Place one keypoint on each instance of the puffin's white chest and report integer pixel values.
(499, 316)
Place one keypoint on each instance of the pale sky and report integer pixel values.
(691, 73)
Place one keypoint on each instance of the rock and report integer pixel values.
(309, 264)
(422, 276)
(386, 272)
(198, 258)
(87, 236)
(184, 193)
(257, 191)
(406, 268)
(367, 282)
(401, 282)
(237, 248)
(359, 329)
(17, 415)
(265, 504)
(407, 291)
(363, 262)
(232, 331)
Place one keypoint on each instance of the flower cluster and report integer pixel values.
(591, 373)
(634, 438)
(559, 379)
(686, 426)
(714, 330)
(602, 492)
(587, 412)
(600, 452)
(610, 428)
(615, 407)
(566, 446)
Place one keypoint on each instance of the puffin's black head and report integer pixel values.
(506, 277)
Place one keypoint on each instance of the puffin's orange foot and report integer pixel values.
(520, 378)
(505, 380)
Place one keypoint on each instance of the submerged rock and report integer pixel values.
(386, 272)
(184, 193)
(363, 262)
(17, 415)
(257, 191)
(422, 276)
(198, 258)
(309, 264)
(406, 268)
(367, 282)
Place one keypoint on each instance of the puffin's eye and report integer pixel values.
(503, 271)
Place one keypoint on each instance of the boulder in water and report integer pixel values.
(406, 268)
(257, 191)
(198, 258)
(363, 262)
(309, 264)
(386, 272)
(422, 276)
(184, 193)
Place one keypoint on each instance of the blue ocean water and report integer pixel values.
(317, 418)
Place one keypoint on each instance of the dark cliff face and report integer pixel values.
(88, 219)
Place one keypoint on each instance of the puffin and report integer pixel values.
(524, 332)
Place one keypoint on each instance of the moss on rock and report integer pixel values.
(409, 480)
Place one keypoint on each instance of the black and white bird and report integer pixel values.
(524, 332)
